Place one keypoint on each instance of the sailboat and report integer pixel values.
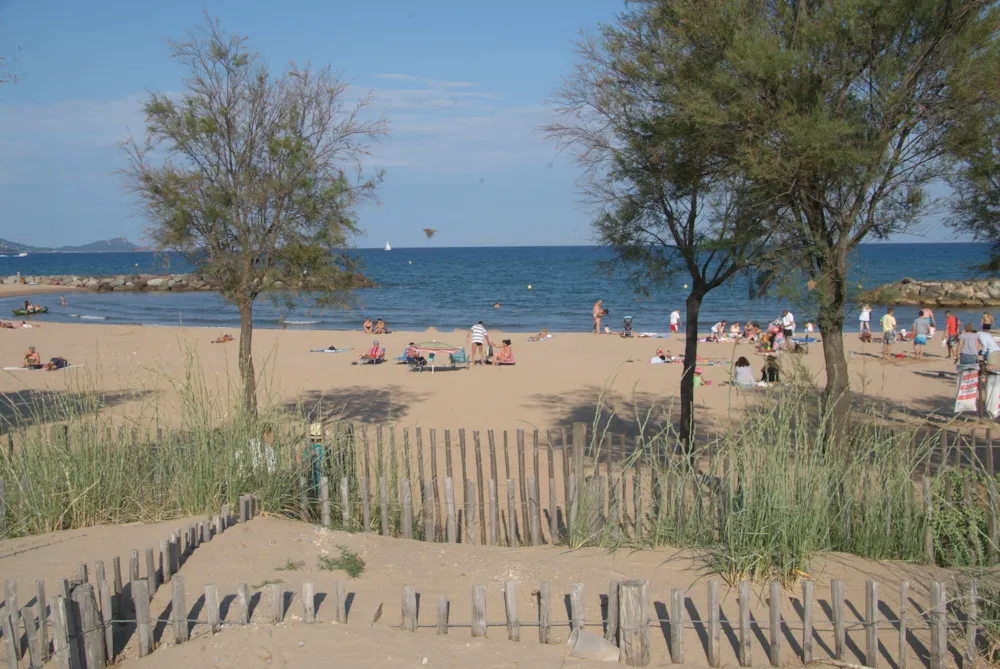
(387, 247)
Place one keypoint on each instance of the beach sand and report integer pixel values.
(555, 383)
(256, 552)
(18, 290)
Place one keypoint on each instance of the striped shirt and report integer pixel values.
(478, 334)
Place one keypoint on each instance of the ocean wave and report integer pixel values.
(85, 317)
(291, 322)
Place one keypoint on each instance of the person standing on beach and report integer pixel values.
(986, 324)
(929, 315)
(598, 312)
(888, 333)
(921, 331)
(788, 328)
(675, 320)
(951, 334)
(480, 339)
(865, 318)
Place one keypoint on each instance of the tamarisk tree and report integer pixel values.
(670, 196)
(254, 178)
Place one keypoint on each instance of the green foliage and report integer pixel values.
(291, 565)
(976, 209)
(348, 560)
(959, 525)
(254, 178)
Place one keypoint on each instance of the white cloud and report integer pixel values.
(435, 125)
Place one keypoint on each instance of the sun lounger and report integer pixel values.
(459, 359)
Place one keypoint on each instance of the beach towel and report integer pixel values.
(805, 340)
(329, 350)
(540, 338)
(967, 390)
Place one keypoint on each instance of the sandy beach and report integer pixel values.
(554, 383)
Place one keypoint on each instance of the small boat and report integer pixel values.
(387, 247)
(21, 255)
(24, 312)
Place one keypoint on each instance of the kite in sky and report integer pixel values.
(429, 232)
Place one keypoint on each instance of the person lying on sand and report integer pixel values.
(28, 326)
(373, 354)
(55, 363)
(224, 339)
(7, 325)
(31, 359)
(367, 326)
(544, 334)
(503, 355)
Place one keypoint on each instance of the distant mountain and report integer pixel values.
(118, 244)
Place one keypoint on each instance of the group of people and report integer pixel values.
(11, 325)
(964, 344)
(378, 328)
(481, 347)
(31, 308)
(34, 361)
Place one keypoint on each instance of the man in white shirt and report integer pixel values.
(675, 320)
(719, 329)
(987, 344)
(788, 324)
(480, 338)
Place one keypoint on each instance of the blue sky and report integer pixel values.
(464, 86)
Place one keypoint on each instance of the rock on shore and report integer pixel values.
(144, 282)
(967, 293)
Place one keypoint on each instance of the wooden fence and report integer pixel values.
(536, 489)
(81, 625)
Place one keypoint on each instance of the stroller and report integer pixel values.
(627, 327)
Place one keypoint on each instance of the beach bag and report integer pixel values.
(967, 390)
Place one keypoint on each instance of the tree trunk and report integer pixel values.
(690, 362)
(247, 374)
(836, 397)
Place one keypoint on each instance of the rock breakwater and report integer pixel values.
(966, 293)
(145, 282)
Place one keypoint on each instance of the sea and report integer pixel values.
(447, 288)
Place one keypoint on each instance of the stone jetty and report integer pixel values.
(965, 293)
(144, 282)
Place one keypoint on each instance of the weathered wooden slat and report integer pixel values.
(545, 612)
(407, 501)
(714, 659)
(91, 629)
(534, 515)
(212, 612)
(243, 600)
(745, 654)
(451, 523)
(611, 627)
(634, 633)
(807, 621)
(178, 614)
(478, 610)
(308, 602)
(340, 600)
(677, 626)
(43, 616)
(510, 607)
(839, 632)
(470, 534)
(512, 528)
(939, 626)
(324, 500)
(366, 510)
(871, 624)
(904, 596)
(409, 612)
(383, 500)
(482, 502)
(577, 607)
(144, 626)
(61, 653)
(442, 614)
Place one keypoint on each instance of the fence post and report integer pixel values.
(366, 511)
(308, 602)
(276, 593)
(430, 522)
(345, 502)
(512, 516)
(442, 602)
(904, 595)
(871, 624)
(746, 658)
(807, 622)
(544, 612)
(579, 436)
(324, 500)
(383, 500)
(107, 612)
(677, 626)
(470, 534)
(478, 610)
(449, 504)
(60, 633)
(341, 596)
(409, 614)
(243, 597)
(43, 630)
(939, 628)
(407, 500)
(510, 607)
(92, 630)
(212, 608)
(928, 519)
(491, 536)
(611, 630)
(11, 639)
(31, 632)
(534, 519)
(144, 626)
(972, 623)
(634, 628)
(179, 611)
(713, 623)
(839, 638)
(577, 607)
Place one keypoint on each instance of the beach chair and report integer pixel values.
(415, 365)
(460, 359)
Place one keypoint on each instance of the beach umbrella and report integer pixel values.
(436, 346)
